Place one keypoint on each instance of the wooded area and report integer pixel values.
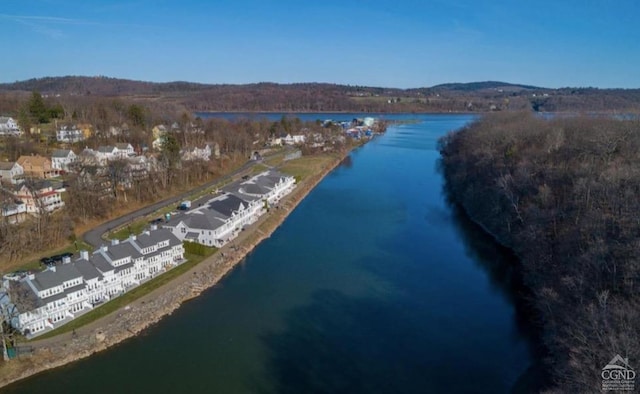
(324, 97)
(563, 194)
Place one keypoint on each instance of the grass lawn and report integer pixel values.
(130, 296)
(307, 165)
(135, 227)
(258, 168)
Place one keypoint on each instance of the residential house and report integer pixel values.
(158, 131)
(14, 212)
(8, 126)
(39, 197)
(69, 134)
(275, 141)
(62, 159)
(37, 166)
(157, 143)
(114, 152)
(51, 298)
(11, 172)
(124, 150)
(294, 139)
(197, 153)
(106, 153)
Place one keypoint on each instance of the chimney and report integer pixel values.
(84, 254)
(66, 260)
(115, 242)
(147, 232)
(154, 227)
(104, 248)
(52, 268)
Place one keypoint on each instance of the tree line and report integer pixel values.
(563, 194)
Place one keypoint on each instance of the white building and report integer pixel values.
(69, 134)
(124, 150)
(11, 172)
(221, 219)
(294, 139)
(39, 197)
(57, 295)
(8, 126)
(14, 212)
(217, 222)
(62, 158)
(197, 153)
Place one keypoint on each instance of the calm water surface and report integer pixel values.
(374, 284)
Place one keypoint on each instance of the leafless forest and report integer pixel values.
(563, 194)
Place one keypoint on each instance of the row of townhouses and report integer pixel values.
(240, 204)
(53, 297)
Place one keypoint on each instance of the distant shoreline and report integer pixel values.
(150, 309)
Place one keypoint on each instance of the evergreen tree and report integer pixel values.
(37, 108)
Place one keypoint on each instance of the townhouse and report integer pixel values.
(220, 220)
(59, 294)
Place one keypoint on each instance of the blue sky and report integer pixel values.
(376, 42)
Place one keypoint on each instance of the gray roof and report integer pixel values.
(226, 204)
(101, 263)
(105, 149)
(122, 250)
(151, 238)
(60, 153)
(87, 269)
(6, 165)
(204, 220)
(48, 279)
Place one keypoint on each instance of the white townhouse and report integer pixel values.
(269, 186)
(217, 222)
(11, 172)
(69, 134)
(62, 158)
(221, 219)
(8, 126)
(57, 295)
(47, 298)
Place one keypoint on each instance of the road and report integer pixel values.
(94, 236)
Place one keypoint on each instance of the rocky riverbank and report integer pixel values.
(140, 314)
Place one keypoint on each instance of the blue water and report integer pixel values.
(374, 284)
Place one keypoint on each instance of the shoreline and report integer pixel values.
(133, 319)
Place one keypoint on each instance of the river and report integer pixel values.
(373, 284)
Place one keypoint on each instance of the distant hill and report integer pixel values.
(475, 86)
(325, 97)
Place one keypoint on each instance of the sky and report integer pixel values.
(386, 43)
